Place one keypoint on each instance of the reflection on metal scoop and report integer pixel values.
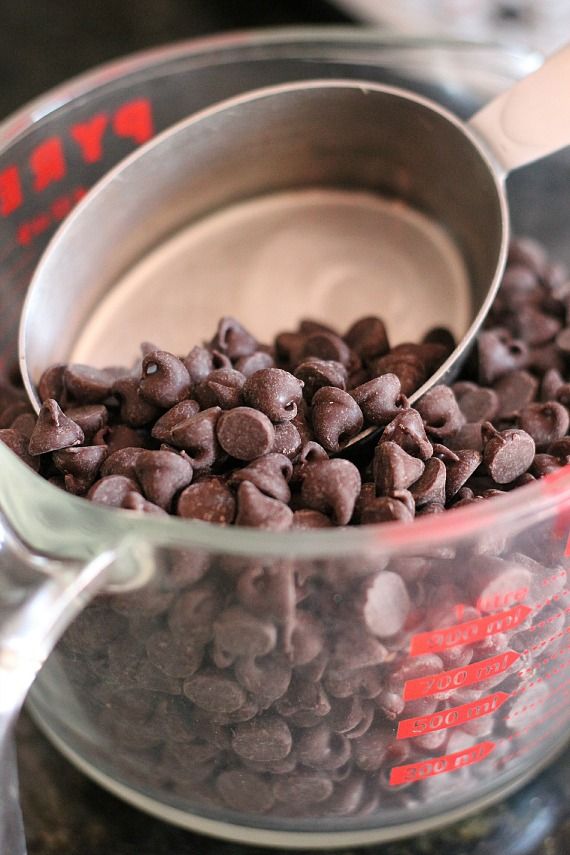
(251, 208)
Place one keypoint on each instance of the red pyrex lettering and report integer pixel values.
(453, 717)
(469, 632)
(439, 765)
(47, 162)
(435, 684)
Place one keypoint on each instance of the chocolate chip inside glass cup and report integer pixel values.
(267, 690)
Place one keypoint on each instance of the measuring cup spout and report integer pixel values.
(531, 119)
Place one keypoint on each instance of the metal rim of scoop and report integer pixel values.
(230, 105)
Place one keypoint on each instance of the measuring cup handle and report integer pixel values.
(39, 597)
(530, 120)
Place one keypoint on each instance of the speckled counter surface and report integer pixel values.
(44, 42)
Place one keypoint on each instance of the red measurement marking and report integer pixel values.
(10, 191)
(48, 161)
(440, 765)
(469, 632)
(434, 684)
(452, 717)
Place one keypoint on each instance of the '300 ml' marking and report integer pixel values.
(446, 681)
(439, 765)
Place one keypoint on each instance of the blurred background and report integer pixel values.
(44, 42)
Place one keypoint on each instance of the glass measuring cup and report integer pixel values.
(98, 731)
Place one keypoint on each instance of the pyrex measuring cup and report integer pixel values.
(124, 719)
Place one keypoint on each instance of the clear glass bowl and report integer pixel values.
(246, 686)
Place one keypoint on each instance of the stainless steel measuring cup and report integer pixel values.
(332, 198)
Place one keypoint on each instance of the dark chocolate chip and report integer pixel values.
(245, 433)
(162, 474)
(507, 454)
(332, 487)
(256, 510)
(54, 430)
(336, 417)
(380, 399)
(221, 388)
(274, 392)
(233, 339)
(209, 500)
(165, 379)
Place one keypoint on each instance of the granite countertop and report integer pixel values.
(65, 814)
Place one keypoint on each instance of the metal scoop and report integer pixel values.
(332, 198)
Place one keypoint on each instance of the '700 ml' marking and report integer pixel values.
(454, 717)
(438, 765)
(445, 681)
(469, 632)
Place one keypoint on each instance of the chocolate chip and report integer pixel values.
(233, 339)
(111, 490)
(90, 418)
(238, 633)
(248, 365)
(25, 424)
(54, 430)
(430, 487)
(515, 390)
(507, 454)
(332, 487)
(380, 399)
(197, 437)
(477, 403)
(209, 500)
(498, 354)
(135, 502)
(51, 383)
(269, 473)
(81, 462)
(305, 519)
(18, 443)
(245, 433)
(440, 412)
(177, 657)
(385, 509)
(87, 385)
(407, 430)
(121, 462)
(336, 417)
(165, 379)
(264, 739)
(119, 436)
(134, 410)
(267, 678)
(244, 791)
(162, 474)
(199, 363)
(256, 510)
(394, 468)
(368, 337)
(409, 368)
(287, 440)
(303, 788)
(386, 604)
(315, 373)
(274, 392)
(459, 471)
(326, 345)
(221, 388)
(545, 422)
(214, 692)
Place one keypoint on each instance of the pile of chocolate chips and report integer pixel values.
(274, 686)
(238, 432)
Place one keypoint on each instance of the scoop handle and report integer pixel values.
(531, 119)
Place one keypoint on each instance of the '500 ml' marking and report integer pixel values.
(454, 717)
(445, 681)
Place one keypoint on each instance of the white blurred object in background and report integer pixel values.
(541, 24)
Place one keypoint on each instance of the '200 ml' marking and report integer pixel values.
(445, 681)
(454, 717)
(439, 765)
(469, 632)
